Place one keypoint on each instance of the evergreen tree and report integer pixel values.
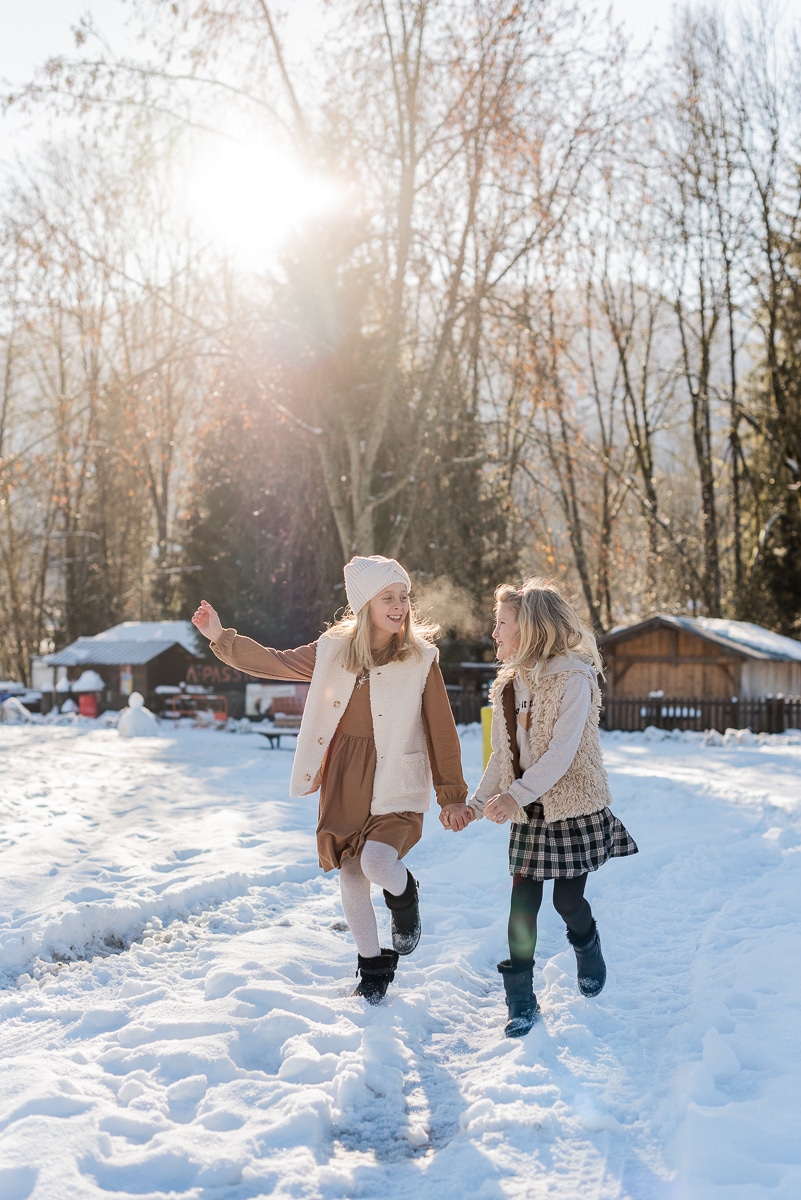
(259, 544)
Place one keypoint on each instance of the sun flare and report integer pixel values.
(249, 198)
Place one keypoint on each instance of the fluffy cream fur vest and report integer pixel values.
(584, 787)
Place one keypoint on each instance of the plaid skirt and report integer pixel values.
(568, 848)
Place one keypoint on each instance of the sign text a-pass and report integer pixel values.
(216, 675)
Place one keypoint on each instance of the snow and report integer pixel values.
(175, 1016)
(129, 642)
(169, 632)
(89, 681)
(752, 637)
(14, 711)
(745, 635)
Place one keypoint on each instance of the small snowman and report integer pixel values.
(136, 720)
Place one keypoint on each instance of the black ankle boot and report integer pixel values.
(376, 975)
(520, 998)
(405, 913)
(590, 965)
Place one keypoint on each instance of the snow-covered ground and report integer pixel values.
(175, 1016)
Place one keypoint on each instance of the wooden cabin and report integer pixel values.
(700, 657)
(135, 656)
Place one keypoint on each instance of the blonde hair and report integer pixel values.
(549, 625)
(355, 630)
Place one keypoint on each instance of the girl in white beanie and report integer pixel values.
(377, 731)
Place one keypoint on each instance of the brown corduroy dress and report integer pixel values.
(345, 822)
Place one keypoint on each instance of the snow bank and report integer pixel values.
(14, 712)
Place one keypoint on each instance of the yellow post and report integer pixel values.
(486, 725)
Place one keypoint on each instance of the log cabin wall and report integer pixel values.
(673, 662)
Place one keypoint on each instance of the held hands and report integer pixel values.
(500, 808)
(205, 619)
(456, 817)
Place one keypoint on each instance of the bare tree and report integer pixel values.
(110, 365)
(468, 129)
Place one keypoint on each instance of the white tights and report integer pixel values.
(378, 864)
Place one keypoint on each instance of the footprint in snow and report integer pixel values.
(129, 1128)
(17, 1183)
(184, 1097)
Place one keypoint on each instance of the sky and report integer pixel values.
(31, 31)
(227, 187)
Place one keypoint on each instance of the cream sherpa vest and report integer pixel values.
(584, 788)
(402, 775)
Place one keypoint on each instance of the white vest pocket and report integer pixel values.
(415, 775)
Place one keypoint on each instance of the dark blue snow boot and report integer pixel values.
(405, 913)
(520, 998)
(590, 965)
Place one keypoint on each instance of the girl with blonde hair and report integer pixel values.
(376, 731)
(547, 777)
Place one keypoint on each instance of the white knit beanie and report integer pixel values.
(366, 577)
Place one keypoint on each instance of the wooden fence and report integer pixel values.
(465, 705)
(768, 714)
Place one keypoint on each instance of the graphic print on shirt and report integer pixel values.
(523, 711)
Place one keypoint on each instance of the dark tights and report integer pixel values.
(568, 900)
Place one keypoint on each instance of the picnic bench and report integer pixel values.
(274, 733)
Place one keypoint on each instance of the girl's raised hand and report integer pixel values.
(205, 619)
(500, 808)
